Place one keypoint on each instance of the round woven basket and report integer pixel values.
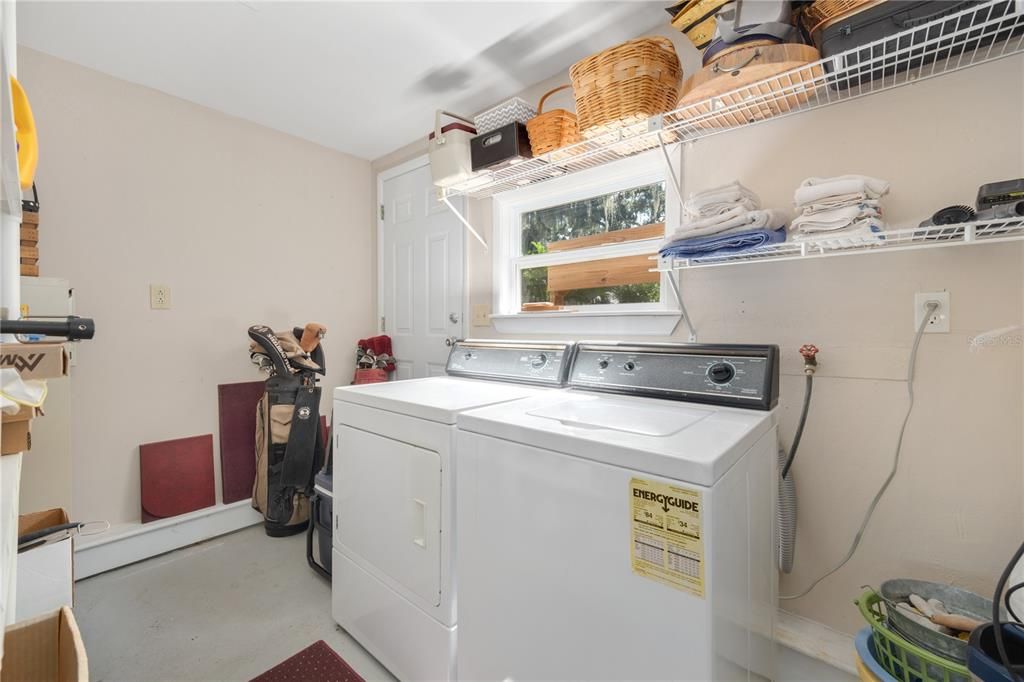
(625, 85)
(551, 130)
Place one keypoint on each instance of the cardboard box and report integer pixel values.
(16, 432)
(35, 360)
(46, 573)
(46, 648)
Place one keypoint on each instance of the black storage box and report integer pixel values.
(500, 148)
(321, 524)
(889, 18)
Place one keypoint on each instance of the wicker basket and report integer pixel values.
(625, 85)
(551, 130)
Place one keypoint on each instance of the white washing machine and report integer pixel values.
(393, 577)
(623, 529)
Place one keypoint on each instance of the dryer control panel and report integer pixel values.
(533, 362)
(731, 375)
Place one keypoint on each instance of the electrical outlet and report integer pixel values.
(938, 323)
(481, 315)
(159, 297)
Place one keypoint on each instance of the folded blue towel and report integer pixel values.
(723, 244)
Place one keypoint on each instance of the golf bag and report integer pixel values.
(289, 441)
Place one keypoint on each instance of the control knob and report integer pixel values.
(721, 373)
(538, 361)
(629, 366)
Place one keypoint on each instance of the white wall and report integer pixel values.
(246, 225)
(954, 512)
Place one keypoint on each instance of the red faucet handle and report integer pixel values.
(809, 351)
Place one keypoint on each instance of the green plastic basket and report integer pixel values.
(903, 660)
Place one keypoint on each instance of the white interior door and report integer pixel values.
(421, 273)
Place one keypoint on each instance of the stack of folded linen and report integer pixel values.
(721, 221)
(844, 210)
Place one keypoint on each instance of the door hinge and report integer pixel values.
(383, 324)
(382, 211)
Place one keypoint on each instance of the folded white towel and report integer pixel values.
(859, 233)
(733, 191)
(813, 190)
(718, 208)
(737, 221)
(717, 199)
(834, 219)
(843, 201)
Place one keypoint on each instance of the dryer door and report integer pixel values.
(388, 504)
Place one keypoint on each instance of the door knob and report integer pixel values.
(450, 341)
(453, 318)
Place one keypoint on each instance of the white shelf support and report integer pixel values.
(451, 207)
(683, 314)
(677, 188)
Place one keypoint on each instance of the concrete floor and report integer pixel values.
(226, 609)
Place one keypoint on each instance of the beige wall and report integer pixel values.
(246, 225)
(954, 512)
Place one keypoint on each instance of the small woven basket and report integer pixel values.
(625, 85)
(551, 130)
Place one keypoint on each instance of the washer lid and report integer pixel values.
(682, 441)
(436, 399)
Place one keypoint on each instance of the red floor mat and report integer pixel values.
(237, 413)
(316, 663)
(177, 476)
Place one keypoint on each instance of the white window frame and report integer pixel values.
(644, 318)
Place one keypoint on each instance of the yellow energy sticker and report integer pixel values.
(666, 543)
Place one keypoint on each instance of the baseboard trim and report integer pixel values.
(816, 641)
(135, 542)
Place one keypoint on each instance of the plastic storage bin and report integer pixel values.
(983, 657)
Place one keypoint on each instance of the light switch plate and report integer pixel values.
(159, 297)
(481, 315)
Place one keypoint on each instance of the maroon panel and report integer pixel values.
(316, 662)
(237, 411)
(177, 476)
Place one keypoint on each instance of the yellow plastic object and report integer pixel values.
(865, 674)
(28, 143)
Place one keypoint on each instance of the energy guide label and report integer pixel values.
(666, 542)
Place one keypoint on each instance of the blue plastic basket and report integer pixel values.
(865, 644)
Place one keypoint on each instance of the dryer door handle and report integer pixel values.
(419, 536)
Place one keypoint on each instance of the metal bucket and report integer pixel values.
(956, 601)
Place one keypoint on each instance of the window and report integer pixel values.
(583, 244)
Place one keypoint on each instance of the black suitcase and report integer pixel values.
(924, 27)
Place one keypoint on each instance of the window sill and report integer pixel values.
(612, 323)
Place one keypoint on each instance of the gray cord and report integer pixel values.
(808, 387)
(930, 308)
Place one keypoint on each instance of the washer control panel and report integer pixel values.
(544, 363)
(732, 375)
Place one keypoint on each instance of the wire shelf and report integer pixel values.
(978, 232)
(983, 33)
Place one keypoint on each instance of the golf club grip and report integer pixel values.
(72, 328)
